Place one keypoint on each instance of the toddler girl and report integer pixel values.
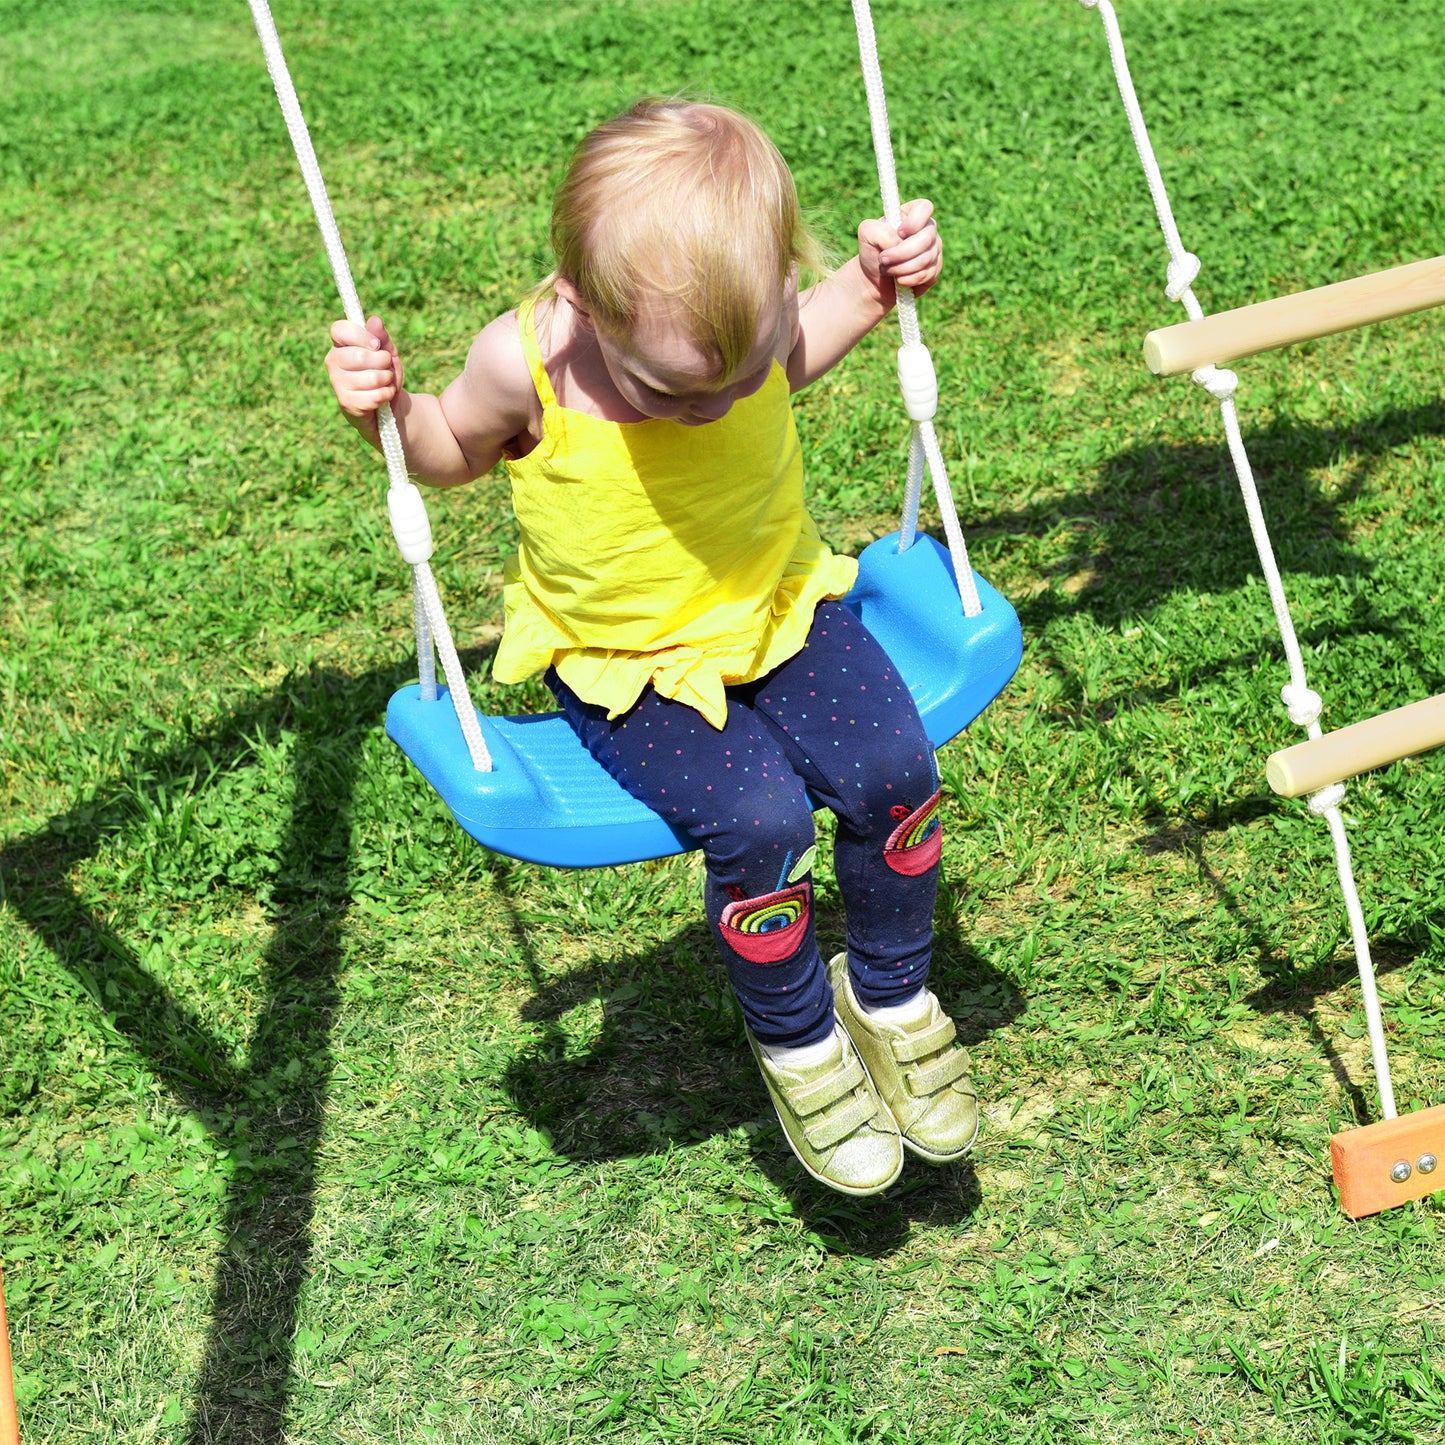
(675, 591)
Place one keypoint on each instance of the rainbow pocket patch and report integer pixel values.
(916, 844)
(770, 928)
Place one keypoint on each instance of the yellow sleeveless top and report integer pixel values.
(653, 552)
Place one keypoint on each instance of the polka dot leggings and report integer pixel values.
(835, 721)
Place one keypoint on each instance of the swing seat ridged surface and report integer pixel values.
(547, 801)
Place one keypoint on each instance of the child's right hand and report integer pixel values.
(364, 370)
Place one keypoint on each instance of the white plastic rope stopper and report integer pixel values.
(918, 381)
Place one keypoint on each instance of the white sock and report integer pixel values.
(800, 1056)
(907, 1012)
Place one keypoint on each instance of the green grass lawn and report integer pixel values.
(320, 1124)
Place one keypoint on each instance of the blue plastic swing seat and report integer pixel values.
(547, 800)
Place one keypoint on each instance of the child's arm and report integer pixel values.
(835, 315)
(448, 439)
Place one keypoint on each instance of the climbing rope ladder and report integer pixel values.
(1386, 1163)
(525, 786)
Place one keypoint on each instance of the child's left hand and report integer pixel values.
(911, 256)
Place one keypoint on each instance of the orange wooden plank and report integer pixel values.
(1365, 1158)
(9, 1421)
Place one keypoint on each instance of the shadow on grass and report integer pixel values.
(662, 1074)
(1290, 989)
(267, 1116)
(1172, 519)
(670, 1067)
(1166, 518)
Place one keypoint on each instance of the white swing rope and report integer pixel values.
(407, 510)
(915, 365)
(1301, 702)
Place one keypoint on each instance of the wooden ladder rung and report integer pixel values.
(1284, 320)
(1309, 766)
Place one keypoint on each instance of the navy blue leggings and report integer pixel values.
(835, 719)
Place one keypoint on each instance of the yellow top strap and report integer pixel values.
(532, 350)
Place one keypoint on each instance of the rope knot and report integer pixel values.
(1302, 703)
(1327, 798)
(1183, 270)
(1220, 384)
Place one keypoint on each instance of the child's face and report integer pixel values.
(661, 372)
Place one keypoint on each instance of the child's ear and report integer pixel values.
(570, 294)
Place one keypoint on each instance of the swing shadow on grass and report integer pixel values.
(659, 1076)
(267, 1115)
(1167, 518)
(670, 1066)
(1289, 988)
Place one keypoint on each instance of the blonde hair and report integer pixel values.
(688, 202)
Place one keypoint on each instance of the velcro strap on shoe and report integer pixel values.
(809, 1098)
(837, 1127)
(929, 1041)
(924, 1082)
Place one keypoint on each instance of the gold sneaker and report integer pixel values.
(921, 1074)
(834, 1120)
